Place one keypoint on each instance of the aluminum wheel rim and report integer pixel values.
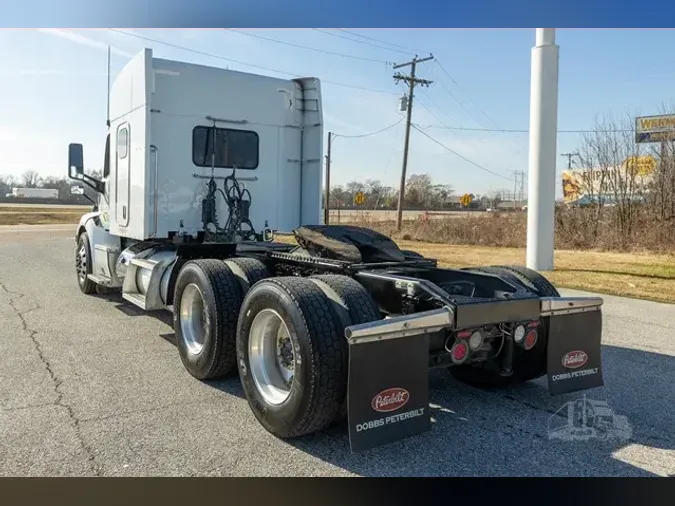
(271, 356)
(192, 320)
(81, 264)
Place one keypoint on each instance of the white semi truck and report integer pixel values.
(202, 166)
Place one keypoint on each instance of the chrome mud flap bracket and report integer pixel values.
(388, 384)
(574, 355)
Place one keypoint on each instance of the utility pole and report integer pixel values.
(569, 159)
(412, 81)
(326, 209)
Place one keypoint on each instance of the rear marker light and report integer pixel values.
(463, 334)
(519, 334)
(533, 324)
(476, 340)
(459, 352)
(530, 340)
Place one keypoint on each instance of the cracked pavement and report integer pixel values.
(91, 386)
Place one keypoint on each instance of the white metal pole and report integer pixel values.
(542, 156)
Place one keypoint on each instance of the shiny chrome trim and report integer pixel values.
(154, 150)
(569, 305)
(401, 326)
(239, 178)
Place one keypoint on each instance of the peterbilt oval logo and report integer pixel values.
(574, 359)
(390, 400)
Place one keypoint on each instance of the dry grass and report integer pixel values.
(645, 275)
(45, 217)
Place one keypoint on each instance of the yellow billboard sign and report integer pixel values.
(572, 184)
(640, 165)
(655, 128)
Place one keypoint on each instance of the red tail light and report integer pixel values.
(530, 339)
(459, 352)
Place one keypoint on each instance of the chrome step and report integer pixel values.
(100, 280)
(137, 299)
(143, 263)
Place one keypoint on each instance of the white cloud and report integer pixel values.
(83, 40)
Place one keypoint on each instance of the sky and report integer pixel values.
(53, 91)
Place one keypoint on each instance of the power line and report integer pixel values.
(428, 97)
(440, 66)
(371, 133)
(459, 155)
(507, 130)
(409, 50)
(252, 65)
(293, 44)
(447, 90)
(361, 41)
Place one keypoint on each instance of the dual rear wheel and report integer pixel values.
(284, 335)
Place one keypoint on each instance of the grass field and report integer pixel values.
(25, 214)
(645, 275)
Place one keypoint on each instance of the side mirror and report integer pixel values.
(76, 190)
(75, 161)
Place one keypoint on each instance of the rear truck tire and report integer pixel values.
(354, 306)
(248, 270)
(506, 275)
(535, 282)
(207, 299)
(83, 264)
(527, 365)
(292, 356)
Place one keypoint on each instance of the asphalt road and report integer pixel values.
(90, 386)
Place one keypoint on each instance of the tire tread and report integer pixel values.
(228, 298)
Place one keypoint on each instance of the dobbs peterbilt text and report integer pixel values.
(388, 420)
(575, 374)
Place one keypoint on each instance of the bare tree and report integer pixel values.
(660, 194)
(610, 156)
(31, 179)
(58, 183)
(6, 184)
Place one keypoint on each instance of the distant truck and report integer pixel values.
(43, 193)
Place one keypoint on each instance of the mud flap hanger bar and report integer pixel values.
(569, 305)
(402, 326)
(444, 318)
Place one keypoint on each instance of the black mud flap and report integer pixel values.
(574, 360)
(388, 390)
